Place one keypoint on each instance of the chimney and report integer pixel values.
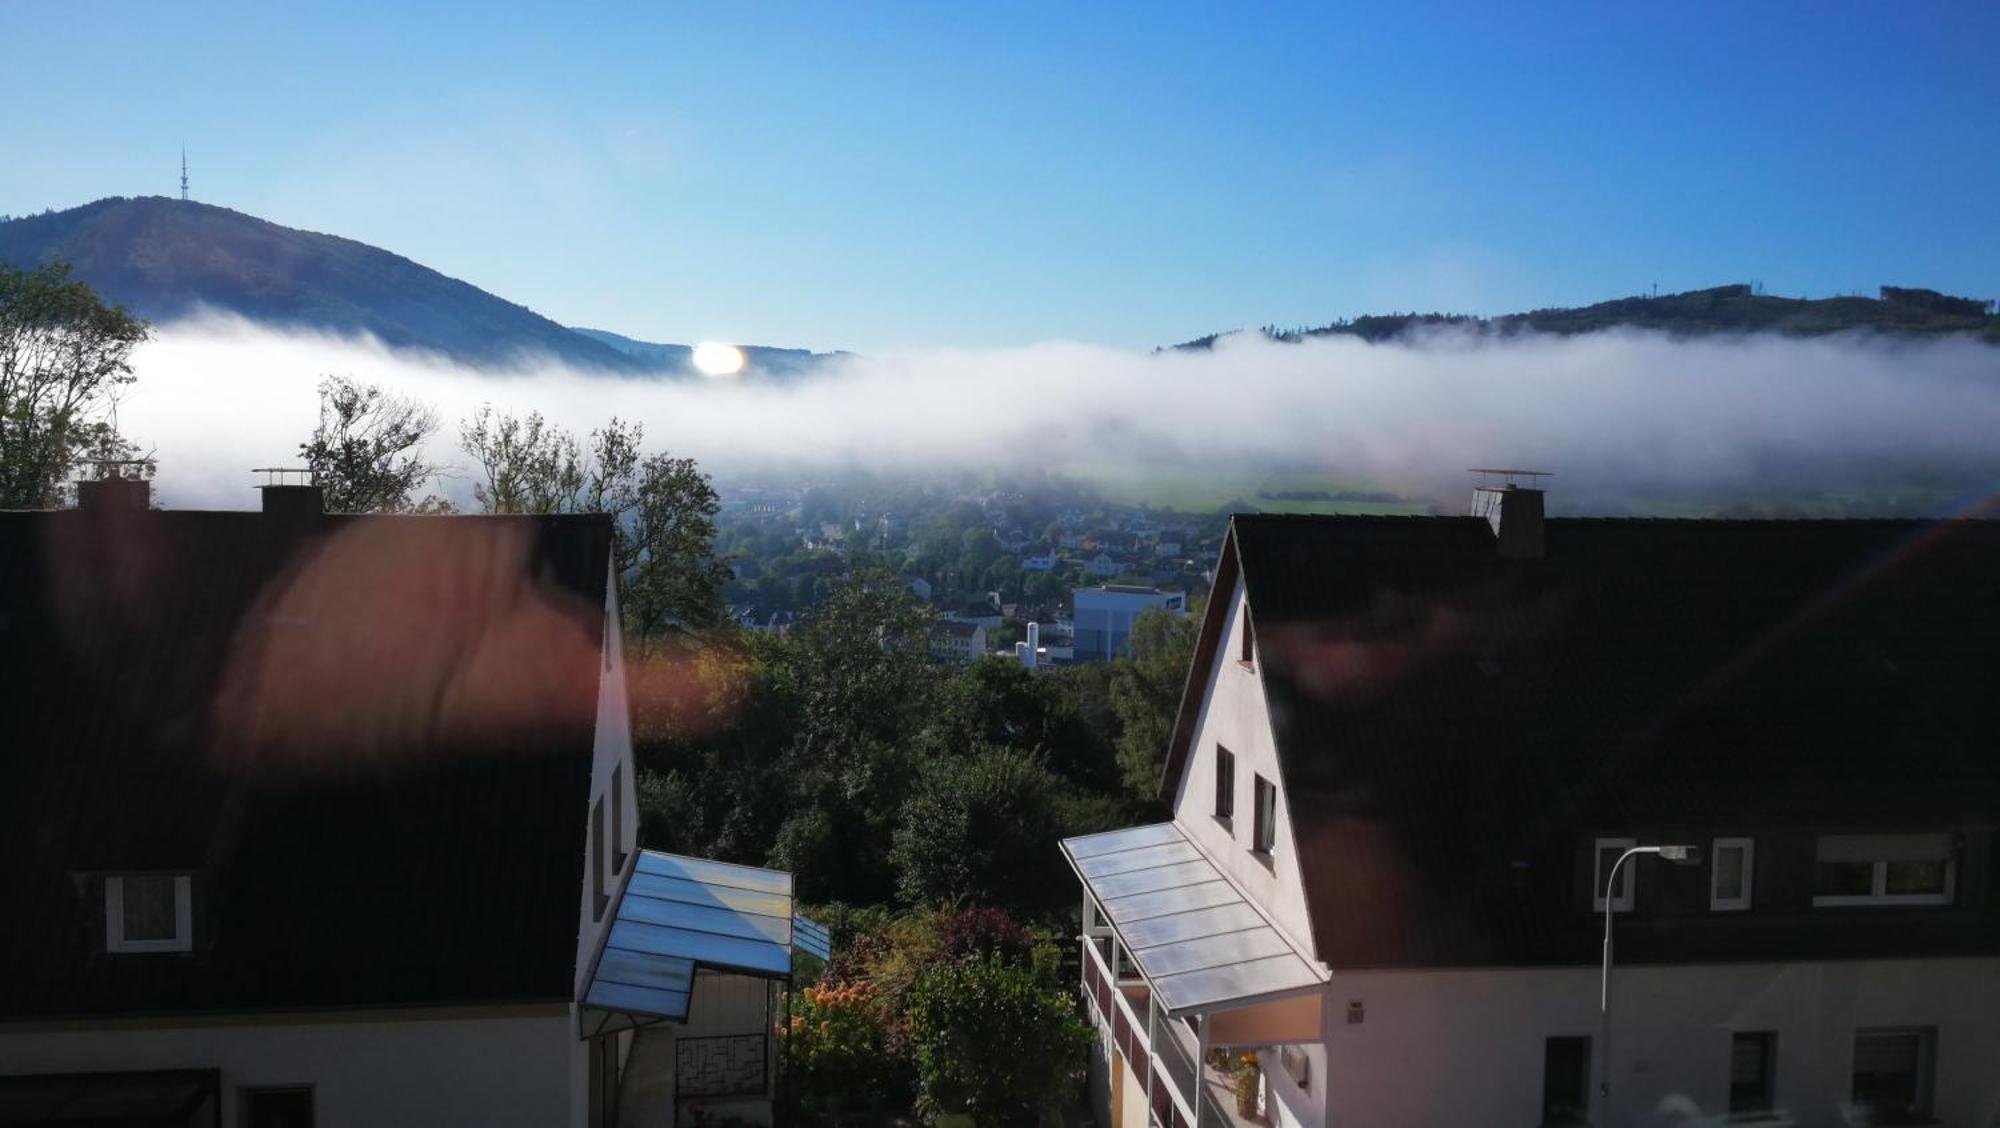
(1514, 510)
(115, 492)
(299, 500)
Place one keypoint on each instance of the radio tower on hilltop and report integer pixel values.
(184, 173)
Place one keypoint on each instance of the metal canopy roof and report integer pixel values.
(1200, 943)
(676, 915)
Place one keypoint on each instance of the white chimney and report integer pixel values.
(1514, 510)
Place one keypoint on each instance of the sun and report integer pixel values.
(714, 358)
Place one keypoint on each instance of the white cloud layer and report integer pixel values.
(1617, 416)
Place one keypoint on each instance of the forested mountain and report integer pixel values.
(165, 259)
(1737, 308)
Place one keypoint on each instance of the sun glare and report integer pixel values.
(714, 358)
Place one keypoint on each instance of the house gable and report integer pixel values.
(1232, 716)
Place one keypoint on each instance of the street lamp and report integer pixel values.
(1679, 855)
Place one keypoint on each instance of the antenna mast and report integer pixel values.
(184, 173)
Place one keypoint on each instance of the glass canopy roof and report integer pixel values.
(1198, 941)
(677, 915)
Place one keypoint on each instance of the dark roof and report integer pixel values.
(1452, 725)
(368, 738)
(957, 628)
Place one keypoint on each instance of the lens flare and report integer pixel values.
(714, 358)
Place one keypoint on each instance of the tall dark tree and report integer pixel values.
(64, 357)
(367, 452)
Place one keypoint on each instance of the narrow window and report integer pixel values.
(1565, 1081)
(1265, 823)
(1751, 1061)
(597, 883)
(1297, 1065)
(1225, 783)
(1249, 640)
(1729, 881)
(1609, 850)
(1892, 1075)
(1884, 869)
(149, 912)
(618, 854)
(278, 1108)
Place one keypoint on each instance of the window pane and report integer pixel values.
(149, 907)
(1267, 811)
(1915, 877)
(1225, 783)
(1844, 879)
(1886, 1070)
(1729, 873)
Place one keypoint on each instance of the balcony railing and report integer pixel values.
(1167, 1078)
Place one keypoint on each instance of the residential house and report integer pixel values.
(318, 819)
(956, 640)
(1103, 616)
(1412, 750)
(1103, 564)
(1039, 561)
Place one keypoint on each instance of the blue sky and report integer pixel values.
(877, 177)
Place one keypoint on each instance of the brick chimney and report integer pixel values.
(291, 500)
(115, 492)
(1514, 510)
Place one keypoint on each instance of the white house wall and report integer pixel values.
(612, 748)
(1466, 1047)
(1234, 714)
(398, 1073)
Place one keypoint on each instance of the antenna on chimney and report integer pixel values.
(184, 174)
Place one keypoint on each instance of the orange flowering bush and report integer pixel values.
(839, 1047)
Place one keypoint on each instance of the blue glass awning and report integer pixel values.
(676, 916)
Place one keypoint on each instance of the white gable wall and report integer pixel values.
(1234, 715)
(611, 750)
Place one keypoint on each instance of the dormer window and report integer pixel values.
(149, 912)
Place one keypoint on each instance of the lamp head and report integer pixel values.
(1682, 855)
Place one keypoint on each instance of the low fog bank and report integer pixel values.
(1621, 418)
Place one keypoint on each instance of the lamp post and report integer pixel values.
(1679, 855)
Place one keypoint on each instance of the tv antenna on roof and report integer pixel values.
(184, 174)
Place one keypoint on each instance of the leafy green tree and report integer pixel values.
(994, 1041)
(367, 452)
(529, 465)
(1146, 686)
(982, 829)
(663, 509)
(64, 357)
(858, 679)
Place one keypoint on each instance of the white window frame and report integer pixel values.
(1878, 893)
(1622, 902)
(1263, 824)
(1225, 785)
(114, 917)
(1716, 901)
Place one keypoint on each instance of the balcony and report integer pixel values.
(1177, 961)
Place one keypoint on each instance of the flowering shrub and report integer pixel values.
(985, 932)
(838, 1046)
(993, 1041)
